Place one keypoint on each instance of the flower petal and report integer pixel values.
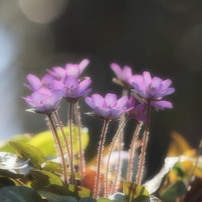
(84, 93)
(110, 99)
(166, 92)
(72, 70)
(47, 80)
(83, 85)
(89, 102)
(122, 102)
(34, 82)
(83, 64)
(115, 112)
(57, 72)
(147, 78)
(117, 70)
(57, 85)
(53, 101)
(38, 97)
(166, 83)
(162, 104)
(126, 73)
(156, 82)
(137, 82)
(98, 100)
(102, 112)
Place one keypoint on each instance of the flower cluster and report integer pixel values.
(58, 83)
(145, 88)
(66, 82)
(141, 92)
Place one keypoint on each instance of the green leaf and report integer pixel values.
(56, 197)
(43, 179)
(172, 192)
(45, 143)
(146, 199)
(4, 181)
(19, 194)
(178, 171)
(5, 147)
(52, 166)
(7, 173)
(69, 190)
(87, 199)
(83, 192)
(104, 200)
(66, 190)
(133, 190)
(29, 152)
(142, 199)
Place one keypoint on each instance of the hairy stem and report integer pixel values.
(56, 137)
(99, 160)
(132, 151)
(81, 154)
(144, 146)
(57, 118)
(120, 146)
(71, 139)
(119, 163)
(109, 155)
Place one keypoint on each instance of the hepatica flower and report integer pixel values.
(138, 111)
(73, 88)
(70, 70)
(34, 83)
(44, 100)
(123, 75)
(107, 107)
(152, 90)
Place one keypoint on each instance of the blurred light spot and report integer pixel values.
(42, 11)
(190, 48)
(7, 50)
(180, 6)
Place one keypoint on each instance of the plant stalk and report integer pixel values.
(71, 139)
(99, 161)
(57, 118)
(81, 154)
(58, 143)
(107, 189)
(120, 146)
(132, 151)
(144, 146)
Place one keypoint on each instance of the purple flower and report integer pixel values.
(107, 107)
(123, 75)
(70, 70)
(138, 111)
(73, 88)
(34, 83)
(152, 89)
(44, 100)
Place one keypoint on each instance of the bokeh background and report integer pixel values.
(162, 36)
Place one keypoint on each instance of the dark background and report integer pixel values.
(161, 36)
